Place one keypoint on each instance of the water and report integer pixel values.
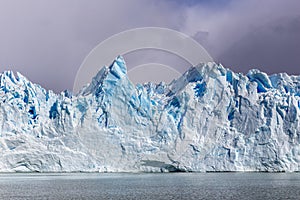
(151, 186)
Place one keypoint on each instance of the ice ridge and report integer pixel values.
(209, 119)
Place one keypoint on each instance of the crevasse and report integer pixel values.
(210, 119)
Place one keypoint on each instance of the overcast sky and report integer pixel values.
(48, 40)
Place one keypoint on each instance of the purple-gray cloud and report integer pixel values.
(48, 40)
(249, 34)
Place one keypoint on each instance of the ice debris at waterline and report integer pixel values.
(210, 119)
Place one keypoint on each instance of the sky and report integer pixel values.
(48, 40)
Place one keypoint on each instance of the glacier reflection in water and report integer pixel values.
(151, 186)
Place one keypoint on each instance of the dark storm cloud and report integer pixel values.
(250, 34)
(48, 40)
(273, 49)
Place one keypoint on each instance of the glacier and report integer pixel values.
(210, 119)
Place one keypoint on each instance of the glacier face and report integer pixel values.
(210, 119)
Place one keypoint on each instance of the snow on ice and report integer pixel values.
(210, 119)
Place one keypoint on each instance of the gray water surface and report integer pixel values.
(151, 186)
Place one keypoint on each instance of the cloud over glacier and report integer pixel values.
(41, 38)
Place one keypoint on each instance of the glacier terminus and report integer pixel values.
(209, 119)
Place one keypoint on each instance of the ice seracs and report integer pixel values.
(210, 119)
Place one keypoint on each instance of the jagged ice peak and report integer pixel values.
(209, 119)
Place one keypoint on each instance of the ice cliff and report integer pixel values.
(210, 119)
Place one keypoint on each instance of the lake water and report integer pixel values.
(151, 186)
